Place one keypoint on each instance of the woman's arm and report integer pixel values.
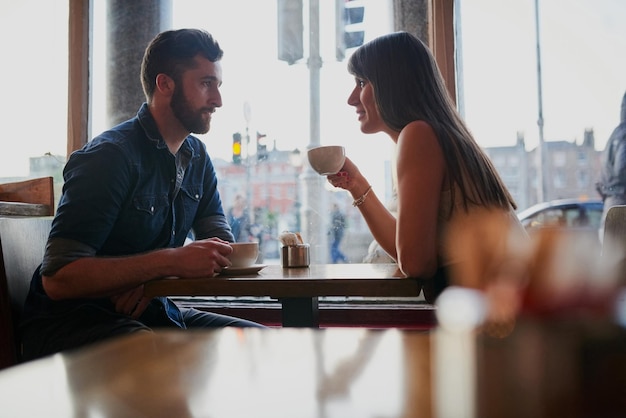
(421, 172)
(380, 221)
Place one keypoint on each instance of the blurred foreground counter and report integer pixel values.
(553, 368)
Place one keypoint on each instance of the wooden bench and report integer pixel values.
(32, 197)
(22, 245)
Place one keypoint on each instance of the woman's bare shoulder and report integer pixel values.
(418, 127)
(419, 135)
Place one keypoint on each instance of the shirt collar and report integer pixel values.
(149, 126)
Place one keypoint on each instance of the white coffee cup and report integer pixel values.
(244, 254)
(328, 159)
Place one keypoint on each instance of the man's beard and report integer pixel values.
(193, 121)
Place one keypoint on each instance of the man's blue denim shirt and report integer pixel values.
(125, 193)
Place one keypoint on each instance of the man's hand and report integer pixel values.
(131, 303)
(203, 258)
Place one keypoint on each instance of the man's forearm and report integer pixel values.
(93, 277)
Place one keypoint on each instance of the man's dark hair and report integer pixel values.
(172, 52)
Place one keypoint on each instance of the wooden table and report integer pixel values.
(298, 289)
(546, 368)
(230, 373)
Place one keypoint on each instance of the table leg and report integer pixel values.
(300, 312)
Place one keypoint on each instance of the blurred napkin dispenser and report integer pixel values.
(295, 255)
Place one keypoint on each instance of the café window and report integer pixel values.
(267, 100)
(34, 74)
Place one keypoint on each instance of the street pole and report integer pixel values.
(541, 182)
(247, 114)
(315, 197)
(295, 159)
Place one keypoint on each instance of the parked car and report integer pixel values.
(570, 213)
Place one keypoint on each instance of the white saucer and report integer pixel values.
(234, 271)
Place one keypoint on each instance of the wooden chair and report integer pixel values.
(22, 245)
(32, 197)
(614, 240)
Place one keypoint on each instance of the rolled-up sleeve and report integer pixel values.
(61, 251)
(213, 226)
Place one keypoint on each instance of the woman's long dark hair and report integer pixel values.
(407, 87)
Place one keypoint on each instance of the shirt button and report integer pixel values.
(152, 209)
(197, 196)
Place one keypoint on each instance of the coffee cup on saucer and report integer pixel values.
(244, 254)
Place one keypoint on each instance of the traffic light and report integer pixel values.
(237, 148)
(261, 149)
(349, 15)
(290, 31)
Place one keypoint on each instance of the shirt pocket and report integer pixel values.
(151, 214)
(191, 195)
(151, 205)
